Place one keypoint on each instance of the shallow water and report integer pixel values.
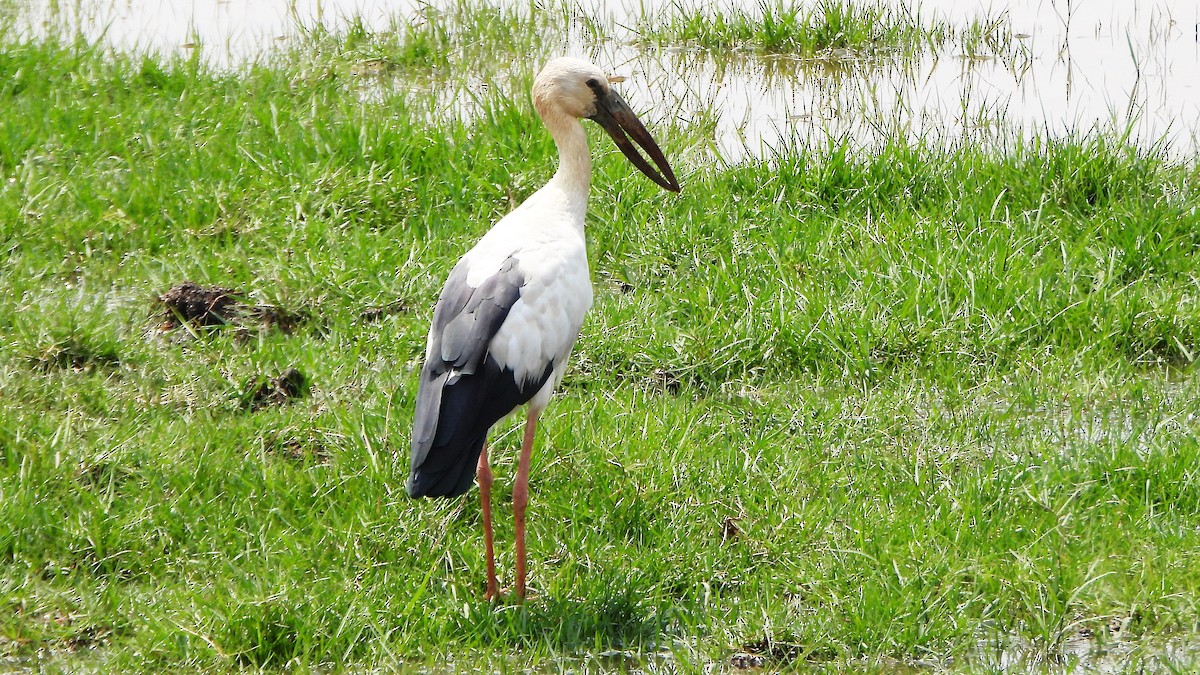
(1070, 66)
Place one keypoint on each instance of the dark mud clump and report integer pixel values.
(286, 320)
(199, 306)
(204, 307)
(373, 314)
(730, 530)
(297, 447)
(289, 385)
(771, 653)
(666, 381)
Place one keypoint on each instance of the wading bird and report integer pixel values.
(512, 307)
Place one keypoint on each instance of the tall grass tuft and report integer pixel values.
(829, 26)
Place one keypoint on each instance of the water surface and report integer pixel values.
(1069, 66)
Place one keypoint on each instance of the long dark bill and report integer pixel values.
(614, 114)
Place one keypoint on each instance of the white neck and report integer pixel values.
(569, 186)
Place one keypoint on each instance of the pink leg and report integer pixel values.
(485, 494)
(521, 498)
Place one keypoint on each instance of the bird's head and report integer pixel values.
(579, 89)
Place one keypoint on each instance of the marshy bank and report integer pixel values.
(770, 76)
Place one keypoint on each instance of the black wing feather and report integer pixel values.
(463, 390)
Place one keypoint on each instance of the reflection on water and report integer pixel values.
(1084, 652)
(1065, 66)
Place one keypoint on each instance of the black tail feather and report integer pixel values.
(450, 477)
(446, 447)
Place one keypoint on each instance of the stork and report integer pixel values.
(511, 309)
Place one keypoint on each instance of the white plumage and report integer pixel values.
(511, 309)
(542, 325)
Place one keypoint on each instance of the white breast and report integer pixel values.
(542, 326)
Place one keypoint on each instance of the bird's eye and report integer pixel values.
(593, 83)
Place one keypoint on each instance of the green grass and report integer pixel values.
(827, 26)
(832, 31)
(842, 409)
(438, 43)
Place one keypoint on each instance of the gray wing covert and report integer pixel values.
(465, 319)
